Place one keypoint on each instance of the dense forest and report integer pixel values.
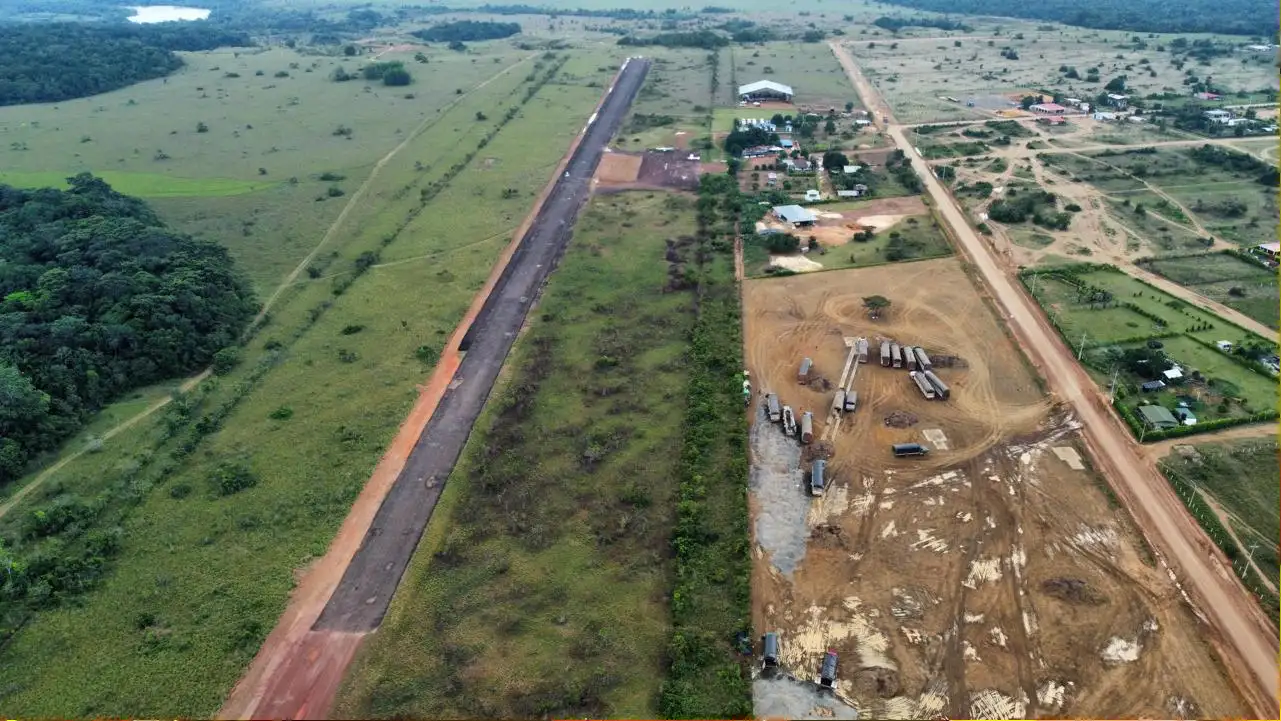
(466, 31)
(50, 62)
(896, 24)
(705, 39)
(1234, 17)
(98, 297)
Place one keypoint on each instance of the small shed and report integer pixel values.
(803, 375)
(795, 214)
(1151, 386)
(1185, 416)
(1173, 375)
(813, 195)
(1158, 417)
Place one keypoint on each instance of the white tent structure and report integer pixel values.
(765, 90)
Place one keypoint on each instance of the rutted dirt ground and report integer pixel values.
(989, 579)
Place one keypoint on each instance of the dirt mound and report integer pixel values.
(948, 361)
(819, 450)
(901, 419)
(1072, 590)
(876, 681)
(827, 534)
(819, 383)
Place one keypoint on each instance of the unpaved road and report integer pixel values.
(299, 667)
(1249, 645)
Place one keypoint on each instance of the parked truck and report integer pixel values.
(939, 386)
(922, 360)
(803, 375)
(885, 353)
(775, 411)
(789, 421)
(827, 671)
(838, 400)
(909, 356)
(807, 427)
(896, 355)
(817, 483)
(902, 450)
(851, 401)
(861, 345)
(926, 389)
(769, 652)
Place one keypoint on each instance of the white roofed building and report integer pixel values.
(765, 90)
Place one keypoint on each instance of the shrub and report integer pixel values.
(282, 413)
(225, 360)
(231, 478)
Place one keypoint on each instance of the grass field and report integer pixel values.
(810, 68)
(200, 579)
(1237, 283)
(145, 185)
(554, 548)
(1241, 477)
(915, 238)
(914, 75)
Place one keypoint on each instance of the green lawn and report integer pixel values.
(810, 68)
(199, 580)
(914, 238)
(552, 547)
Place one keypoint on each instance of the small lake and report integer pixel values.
(166, 13)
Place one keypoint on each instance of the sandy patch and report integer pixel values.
(618, 168)
(880, 222)
(795, 263)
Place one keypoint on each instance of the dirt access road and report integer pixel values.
(299, 667)
(1247, 643)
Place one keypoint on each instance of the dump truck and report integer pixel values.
(885, 353)
(803, 375)
(817, 483)
(939, 386)
(896, 355)
(789, 421)
(769, 652)
(775, 411)
(807, 427)
(922, 360)
(851, 401)
(909, 356)
(902, 450)
(926, 389)
(827, 671)
(838, 400)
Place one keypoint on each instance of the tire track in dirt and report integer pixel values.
(297, 670)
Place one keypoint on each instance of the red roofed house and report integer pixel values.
(1048, 108)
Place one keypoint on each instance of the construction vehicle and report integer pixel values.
(902, 450)
(851, 401)
(838, 401)
(827, 671)
(807, 427)
(789, 421)
(775, 411)
(769, 655)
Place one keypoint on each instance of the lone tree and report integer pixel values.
(875, 304)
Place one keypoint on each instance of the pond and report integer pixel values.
(166, 13)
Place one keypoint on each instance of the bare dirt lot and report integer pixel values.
(990, 579)
(838, 222)
(623, 171)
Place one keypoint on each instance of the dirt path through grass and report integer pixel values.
(1225, 520)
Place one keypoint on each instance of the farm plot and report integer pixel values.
(953, 584)
(550, 541)
(1128, 331)
(1237, 283)
(199, 574)
(918, 77)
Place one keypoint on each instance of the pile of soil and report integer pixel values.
(828, 535)
(901, 419)
(819, 450)
(1072, 590)
(819, 383)
(876, 681)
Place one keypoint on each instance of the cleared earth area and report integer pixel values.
(992, 578)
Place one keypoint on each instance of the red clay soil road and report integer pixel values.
(297, 671)
(1245, 639)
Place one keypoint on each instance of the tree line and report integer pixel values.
(467, 31)
(1233, 17)
(98, 297)
(51, 62)
(896, 24)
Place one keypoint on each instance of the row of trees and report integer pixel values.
(1233, 17)
(467, 31)
(98, 297)
(51, 62)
